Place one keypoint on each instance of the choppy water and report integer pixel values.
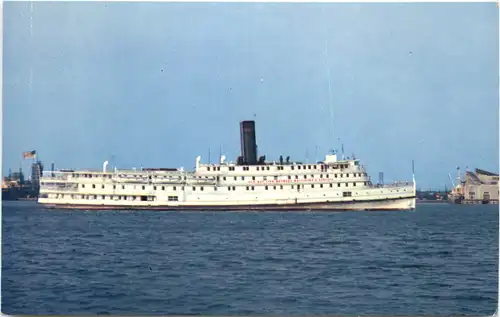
(438, 260)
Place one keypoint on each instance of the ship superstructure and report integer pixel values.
(250, 183)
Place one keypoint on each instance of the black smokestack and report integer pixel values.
(248, 144)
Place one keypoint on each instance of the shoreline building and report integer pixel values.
(480, 187)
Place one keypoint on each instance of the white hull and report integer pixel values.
(389, 204)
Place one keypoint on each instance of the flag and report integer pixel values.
(29, 154)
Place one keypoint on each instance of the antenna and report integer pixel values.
(208, 155)
(330, 107)
(413, 174)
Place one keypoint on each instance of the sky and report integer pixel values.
(157, 84)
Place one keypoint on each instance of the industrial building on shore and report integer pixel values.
(16, 187)
(480, 187)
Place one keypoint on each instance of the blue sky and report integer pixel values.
(156, 84)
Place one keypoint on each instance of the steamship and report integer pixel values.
(249, 184)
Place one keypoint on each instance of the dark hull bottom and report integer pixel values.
(377, 205)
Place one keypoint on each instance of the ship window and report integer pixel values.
(143, 187)
(102, 186)
(365, 183)
(293, 167)
(331, 185)
(234, 188)
(338, 184)
(93, 186)
(235, 178)
(208, 169)
(347, 194)
(144, 198)
(224, 178)
(123, 186)
(289, 177)
(182, 188)
(173, 198)
(320, 185)
(253, 188)
(298, 167)
(95, 196)
(253, 178)
(248, 188)
(201, 188)
(242, 178)
(215, 188)
(257, 168)
(346, 184)
(194, 188)
(296, 176)
(314, 166)
(275, 177)
(266, 187)
(154, 187)
(175, 188)
(218, 168)
(83, 185)
(312, 185)
(293, 186)
(274, 187)
(305, 176)
(312, 176)
(281, 186)
(268, 168)
(229, 188)
(320, 175)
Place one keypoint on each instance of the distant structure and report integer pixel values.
(381, 177)
(480, 187)
(16, 187)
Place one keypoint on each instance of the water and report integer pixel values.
(438, 260)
